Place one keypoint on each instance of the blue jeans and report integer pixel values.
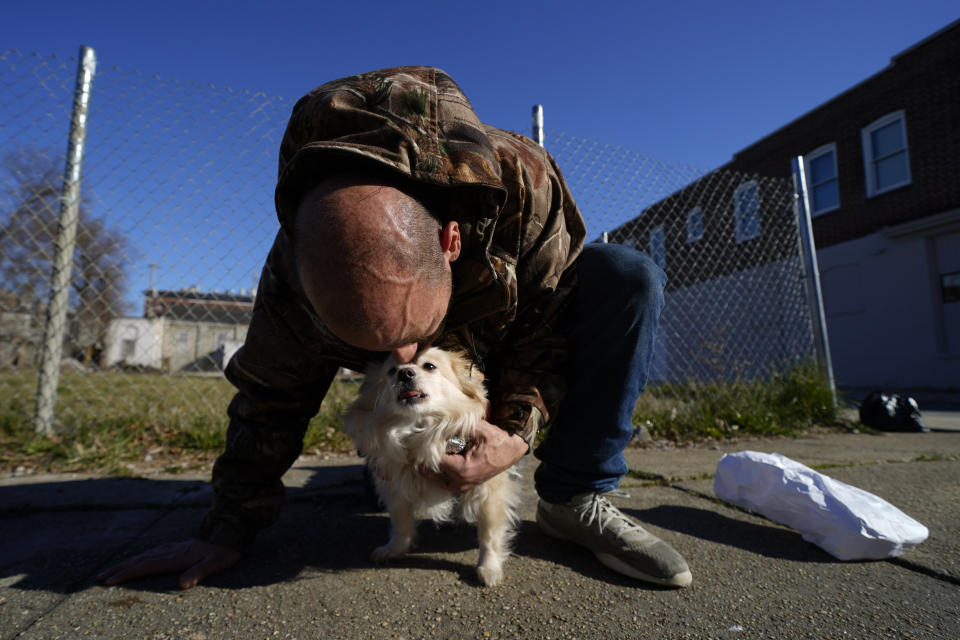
(610, 328)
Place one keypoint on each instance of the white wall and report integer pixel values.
(147, 337)
(230, 347)
(887, 323)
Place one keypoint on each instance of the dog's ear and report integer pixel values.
(373, 380)
(469, 378)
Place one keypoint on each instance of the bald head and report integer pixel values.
(374, 263)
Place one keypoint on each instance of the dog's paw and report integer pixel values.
(386, 552)
(490, 576)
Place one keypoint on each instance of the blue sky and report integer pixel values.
(681, 81)
(684, 82)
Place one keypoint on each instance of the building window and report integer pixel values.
(950, 287)
(181, 339)
(658, 247)
(128, 348)
(746, 211)
(821, 169)
(885, 157)
(694, 225)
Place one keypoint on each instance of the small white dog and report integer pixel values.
(405, 420)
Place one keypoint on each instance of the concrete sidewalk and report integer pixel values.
(309, 576)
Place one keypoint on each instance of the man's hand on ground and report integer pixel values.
(491, 451)
(196, 558)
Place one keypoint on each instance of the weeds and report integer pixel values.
(787, 403)
(108, 420)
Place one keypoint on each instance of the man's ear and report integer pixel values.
(450, 241)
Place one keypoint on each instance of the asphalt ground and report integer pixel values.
(310, 577)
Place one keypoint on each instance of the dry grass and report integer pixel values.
(788, 403)
(106, 421)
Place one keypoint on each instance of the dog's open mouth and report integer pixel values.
(411, 396)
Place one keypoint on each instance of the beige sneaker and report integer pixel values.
(618, 542)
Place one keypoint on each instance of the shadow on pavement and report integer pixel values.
(771, 541)
(60, 534)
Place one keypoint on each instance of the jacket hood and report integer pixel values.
(412, 120)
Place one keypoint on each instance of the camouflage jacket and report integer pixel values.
(520, 231)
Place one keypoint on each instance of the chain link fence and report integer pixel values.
(736, 304)
(176, 216)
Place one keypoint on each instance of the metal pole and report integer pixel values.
(63, 247)
(538, 124)
(808, 254)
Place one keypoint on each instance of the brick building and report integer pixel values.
(182, 330)
(883, 163)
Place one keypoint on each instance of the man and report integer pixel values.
(405, 221)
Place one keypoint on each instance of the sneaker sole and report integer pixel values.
(613, 562)
(683, 579)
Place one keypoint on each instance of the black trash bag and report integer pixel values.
(890, 412)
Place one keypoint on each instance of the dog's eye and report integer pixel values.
(429, 366)
(392, 371)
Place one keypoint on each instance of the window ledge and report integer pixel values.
(896, 187)
(823, 212)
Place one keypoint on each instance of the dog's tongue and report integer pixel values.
(409, 394)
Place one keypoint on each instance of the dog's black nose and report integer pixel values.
(406, 374)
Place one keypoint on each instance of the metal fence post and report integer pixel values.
(808, 254)
(64, 244)
(538, 124)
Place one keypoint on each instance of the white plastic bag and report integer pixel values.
(846, 522)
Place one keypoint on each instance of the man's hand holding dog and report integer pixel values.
(491, 451)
